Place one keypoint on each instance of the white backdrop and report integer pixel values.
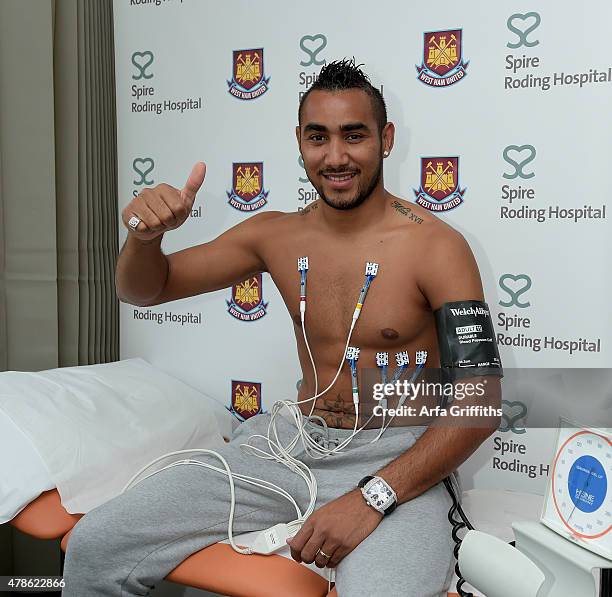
(530, 116)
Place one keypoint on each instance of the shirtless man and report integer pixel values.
(343, 136)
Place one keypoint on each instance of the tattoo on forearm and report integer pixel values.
(406, 211)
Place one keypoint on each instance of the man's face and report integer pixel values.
(341, 146)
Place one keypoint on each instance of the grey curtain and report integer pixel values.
(58, 204)
(58, 184)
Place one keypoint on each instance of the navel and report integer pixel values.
(389, 333)
(297, 320)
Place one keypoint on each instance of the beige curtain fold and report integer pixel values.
(58, 204)
(58, 184)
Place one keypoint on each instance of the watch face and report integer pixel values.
(380, 494)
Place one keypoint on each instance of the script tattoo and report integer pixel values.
(406, 211)
(308, 209)
(333, 411)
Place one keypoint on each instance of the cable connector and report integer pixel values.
(302, 268)
(371, 271)
(272, 539)
(382, 359)
(357, 312)
(352, 353)
(420, 357)
(371, 268)
(402, 359)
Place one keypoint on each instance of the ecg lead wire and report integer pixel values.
(278, 452)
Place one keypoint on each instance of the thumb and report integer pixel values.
(194, 182)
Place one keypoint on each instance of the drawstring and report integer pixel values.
(320, 435)
(325, 442)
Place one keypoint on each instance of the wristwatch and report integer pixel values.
(378, 494)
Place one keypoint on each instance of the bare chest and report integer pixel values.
(394, 311)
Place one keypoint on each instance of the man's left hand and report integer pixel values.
(334, 530)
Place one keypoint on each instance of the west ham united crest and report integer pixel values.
(439, 184)
(247, 192)
(246, 399)
(248, 80)
(443, 63)
(247, 300)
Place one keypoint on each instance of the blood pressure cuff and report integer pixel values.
(466, 340)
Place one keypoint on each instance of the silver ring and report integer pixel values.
(323, 554)
(133, 222)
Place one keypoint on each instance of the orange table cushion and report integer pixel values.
(45, 517)
(217, 568)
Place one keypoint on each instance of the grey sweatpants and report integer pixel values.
(128, 544)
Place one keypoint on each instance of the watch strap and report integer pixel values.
(365, 480)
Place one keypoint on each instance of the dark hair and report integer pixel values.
(345, 74)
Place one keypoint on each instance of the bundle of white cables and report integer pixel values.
(274, 538)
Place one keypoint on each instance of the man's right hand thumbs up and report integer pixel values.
(159, 209)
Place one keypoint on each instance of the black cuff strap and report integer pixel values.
(466, 339)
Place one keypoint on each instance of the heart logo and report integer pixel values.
(520, 284)
(301, 163)
(519, 165)
(137, 163)
(511, 416)
(523, 30)
(314, 49)
(142, 61)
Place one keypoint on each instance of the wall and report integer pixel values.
(523, 123)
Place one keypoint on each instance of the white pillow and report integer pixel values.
(94, 426)
(23, 476)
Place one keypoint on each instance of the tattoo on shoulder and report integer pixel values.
(308, 209)
(406, 211)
